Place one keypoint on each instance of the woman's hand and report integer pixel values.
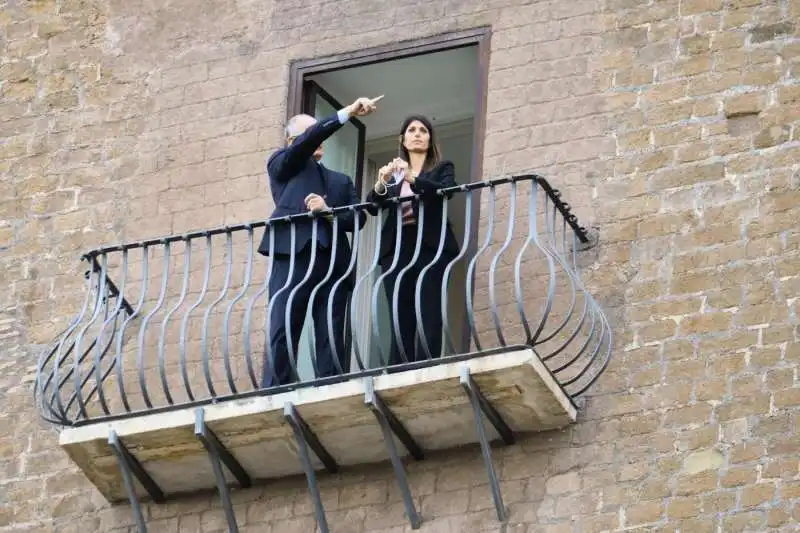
(403, 168)
(384, 175)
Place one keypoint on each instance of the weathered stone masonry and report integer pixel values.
(672, 126)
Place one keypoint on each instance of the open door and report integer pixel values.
(458, 107)
(344, 152)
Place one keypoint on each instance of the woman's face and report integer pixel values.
(416, 138)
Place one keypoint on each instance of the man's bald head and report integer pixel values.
(296, 126)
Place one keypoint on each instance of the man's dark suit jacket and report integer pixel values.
(427, 183)
(293, 175)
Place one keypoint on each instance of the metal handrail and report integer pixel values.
(516, 288)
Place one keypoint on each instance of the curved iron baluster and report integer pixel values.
(590, 336)
(582, 349)
(185, 321)
(53, 376)
(335, 287)
(85, 379)
(532, 213)
(273, 298)
(551, 289)
(574, 333)
(421, 277)
(372, 267)
(41, 384)
(551, 248)
(207, 315)
(377, 286)
(73, 397)
(143, 327)
(226, 355)
(470, 289)
(448, 345)
(98, 356)
(121, 338)
(287, 314)
(399, 280)
(59, 383)
(576, 285)
(100, 303)
(604, 329)
(532, 228)
(312, 296)
(606, 359)
(38, 384)
(103, 354)
(584, 346)
(587, 298)
(493, 265)
(187, 260)
(247, 314)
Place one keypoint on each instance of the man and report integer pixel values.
(300, 183)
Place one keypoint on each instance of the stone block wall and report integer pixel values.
(672, 126)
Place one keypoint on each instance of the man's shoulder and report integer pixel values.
(336, 175)
(274, 155)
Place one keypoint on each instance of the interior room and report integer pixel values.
(442, 86)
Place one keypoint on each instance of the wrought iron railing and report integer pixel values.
(193, 329)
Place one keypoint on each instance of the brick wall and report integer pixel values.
(673, 126)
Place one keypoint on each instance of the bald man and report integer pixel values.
(299, 184)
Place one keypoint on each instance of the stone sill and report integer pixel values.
(429, 402)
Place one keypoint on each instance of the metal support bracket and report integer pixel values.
(481, 405)
(305, 439)
(375, 403)
(390, 427)
(112, 287)
(218, 454)
(131, 469)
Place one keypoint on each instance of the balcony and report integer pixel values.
(157, 388)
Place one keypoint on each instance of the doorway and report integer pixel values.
(442, 78)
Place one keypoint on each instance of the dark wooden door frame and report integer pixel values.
(311, 90)
(481, 37)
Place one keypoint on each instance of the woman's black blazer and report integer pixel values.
(426, 185)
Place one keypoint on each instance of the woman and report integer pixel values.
(419, 170)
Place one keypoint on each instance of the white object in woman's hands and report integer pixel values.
(398, 170)
(397, 177)
(382, 183)
(383, 174)
(404, 170)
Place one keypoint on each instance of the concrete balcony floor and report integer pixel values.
(430, 402)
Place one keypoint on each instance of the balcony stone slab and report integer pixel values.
(430, 402)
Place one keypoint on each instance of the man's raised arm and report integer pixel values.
(286, 163)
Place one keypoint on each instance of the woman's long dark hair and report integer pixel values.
(433, 156)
